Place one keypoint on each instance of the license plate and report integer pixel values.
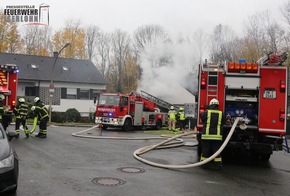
(106, 119)
(269, 94)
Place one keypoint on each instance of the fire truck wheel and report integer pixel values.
(264, 157)
(158, 124)
(199, 150)
(127, 125)
(199, 147)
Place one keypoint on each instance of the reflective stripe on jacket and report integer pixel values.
(1, 109)
(41, 111)
(212, 128)
(171, 114)
(181, 116)
(21, 110)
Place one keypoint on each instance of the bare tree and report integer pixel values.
(37, 40)
(285, 10)
(274, 33)
(92, 36)
(120, 45)
(149, 34)
(201, 40)
(222, 48)
(103, 52)
(255, 28)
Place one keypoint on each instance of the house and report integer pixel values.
(63, 83)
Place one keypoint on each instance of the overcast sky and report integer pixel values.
(176, 16)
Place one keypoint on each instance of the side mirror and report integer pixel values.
(96, 100)
(11, 135)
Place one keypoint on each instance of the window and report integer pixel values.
(64, 68)
(32, 66)
(71, 93)
(94, 93)
(84, 94)
(30, 91)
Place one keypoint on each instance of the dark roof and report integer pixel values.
(79, 71)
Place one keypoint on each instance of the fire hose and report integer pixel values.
(34, 125)
(166, 142)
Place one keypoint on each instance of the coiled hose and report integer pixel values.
(166, 142)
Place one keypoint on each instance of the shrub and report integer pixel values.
(57, 117)
(72, 115)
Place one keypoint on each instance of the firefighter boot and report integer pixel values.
(42, 135)
(39, 133)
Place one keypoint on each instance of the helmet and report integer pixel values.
(21, 100)
(214, 102)
(2, 97)
(36, 99)
(172, 107)
(32, 108)
(181, 108)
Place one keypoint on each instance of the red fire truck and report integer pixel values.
(127, 111)
(257, 92)
(8, 87)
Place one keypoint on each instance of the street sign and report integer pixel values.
(51, 86)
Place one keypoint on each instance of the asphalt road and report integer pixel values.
(64, 165)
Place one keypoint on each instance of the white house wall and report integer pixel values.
(83, 106)
(21, 89)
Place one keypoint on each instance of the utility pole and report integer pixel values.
(51, 85)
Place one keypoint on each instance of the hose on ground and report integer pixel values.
(149, 148)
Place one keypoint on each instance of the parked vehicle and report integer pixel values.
(127, 111)
(255, 91)
(9, 167)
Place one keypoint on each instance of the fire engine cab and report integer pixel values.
(8, 87)
(257, 92)
(127, 111)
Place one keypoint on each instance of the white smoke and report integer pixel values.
(169, 69)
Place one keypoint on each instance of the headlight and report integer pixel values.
(8, 162)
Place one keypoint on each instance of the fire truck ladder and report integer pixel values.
(156, 100)
(212, 88)
(285, 145)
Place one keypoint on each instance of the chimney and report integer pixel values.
(55, 54)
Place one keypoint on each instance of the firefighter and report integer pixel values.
(2, 109)
(42, 114)
(211, 138)
(171, 119)
(181, 119)
(21, 111)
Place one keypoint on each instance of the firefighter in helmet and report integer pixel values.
(181, 119)
(171, 119)
(211, 139)
(41, 112)
(21, 111)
